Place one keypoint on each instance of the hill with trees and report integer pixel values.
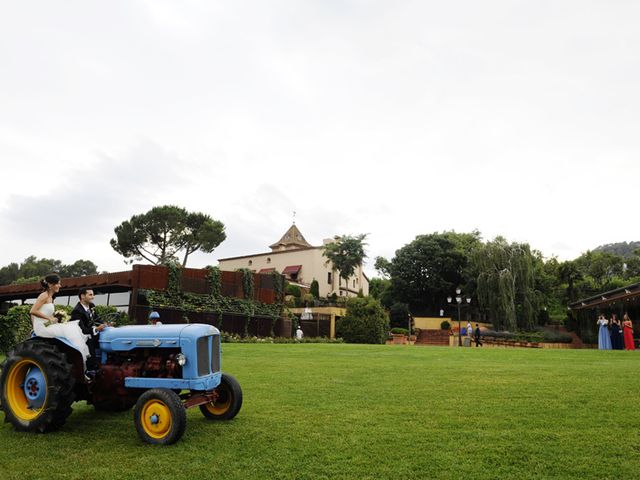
(622, 249)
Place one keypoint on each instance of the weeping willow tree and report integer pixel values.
(506, 284)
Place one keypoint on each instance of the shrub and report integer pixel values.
(589, 338)
(293, 290)
(399, 315)
(556, 337)
(314, 289)
(400, 331)
(112, 315)
(15, 326)
(365, 322)
(540, 335)
(226, 337)
(308, 299)
(445, 325)
(557, 319)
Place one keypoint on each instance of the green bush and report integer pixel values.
(314, 289)
(445, 325)
(293, 290)
(556, 337)
(399, 315)
(226, 337)
(15, 326)
(557, 319)
(400, 331)
(589, 338)
(112, 315)
(540, 335)
(365, 322)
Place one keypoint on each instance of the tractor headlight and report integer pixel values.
(181, 359)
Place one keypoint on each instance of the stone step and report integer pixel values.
(433, 344)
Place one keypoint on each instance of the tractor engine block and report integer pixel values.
(109, 383)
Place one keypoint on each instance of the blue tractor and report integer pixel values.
(160, 369)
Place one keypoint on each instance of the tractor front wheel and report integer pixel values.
(229, 400)
(160, 417)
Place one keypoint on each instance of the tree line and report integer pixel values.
(511, 285)
(32, 269)
(164, 235)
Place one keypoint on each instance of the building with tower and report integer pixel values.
(301, 263)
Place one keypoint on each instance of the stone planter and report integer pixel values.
(399, 339)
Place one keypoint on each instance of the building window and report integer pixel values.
(250, 262)
(62, 300)
(354, 284)
(268, 259)
(101, 299)
(329, 278)
(119, 299)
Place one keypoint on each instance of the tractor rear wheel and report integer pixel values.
(37, 387)
(160, 417)
(229, 400)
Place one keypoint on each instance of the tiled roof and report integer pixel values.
(291, 238)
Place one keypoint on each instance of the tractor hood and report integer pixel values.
(113, 339)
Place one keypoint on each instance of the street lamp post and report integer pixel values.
(459, 304)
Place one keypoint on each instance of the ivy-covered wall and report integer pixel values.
(245, 315)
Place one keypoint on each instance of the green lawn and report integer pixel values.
(346, 411)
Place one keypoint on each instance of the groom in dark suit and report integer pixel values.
(89, 323)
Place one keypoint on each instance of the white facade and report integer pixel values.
(300, 263)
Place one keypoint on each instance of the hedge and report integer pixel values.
(16, 326)
(545, 336)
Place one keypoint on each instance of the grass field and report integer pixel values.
(347, 411)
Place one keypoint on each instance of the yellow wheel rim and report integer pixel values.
(14, 387)
(156, 419)
(222, 404)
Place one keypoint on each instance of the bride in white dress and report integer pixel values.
(46, 325)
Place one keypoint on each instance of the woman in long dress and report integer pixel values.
(46, 325)
(627, 326)
(617, 343)
(604, 340)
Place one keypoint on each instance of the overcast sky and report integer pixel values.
(392, 118)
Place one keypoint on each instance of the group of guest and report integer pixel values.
(614, 334)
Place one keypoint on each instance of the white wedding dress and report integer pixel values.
(69, 330)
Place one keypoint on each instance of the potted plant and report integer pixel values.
(399, 335)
